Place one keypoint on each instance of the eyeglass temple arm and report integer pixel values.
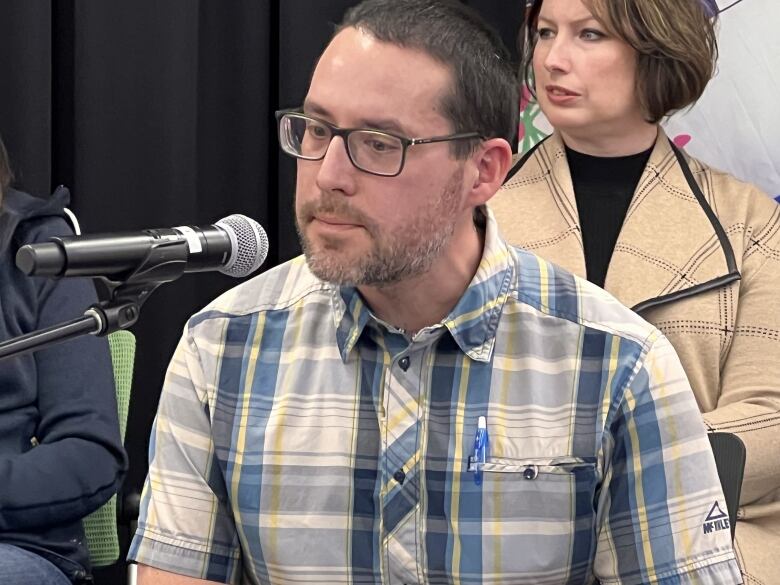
(413, 141)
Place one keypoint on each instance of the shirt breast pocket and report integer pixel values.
(535, 510)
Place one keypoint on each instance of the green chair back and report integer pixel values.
(100, 526)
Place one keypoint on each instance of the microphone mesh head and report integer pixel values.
(249, 242)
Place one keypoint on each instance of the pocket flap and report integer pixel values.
(532, 467)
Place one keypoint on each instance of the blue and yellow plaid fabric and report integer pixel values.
(299, 439)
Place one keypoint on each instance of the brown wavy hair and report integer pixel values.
(6, 174)
(675, 42)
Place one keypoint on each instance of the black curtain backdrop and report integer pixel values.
(158, 113)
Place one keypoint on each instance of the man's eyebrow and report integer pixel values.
(310, 107)
(386, 124)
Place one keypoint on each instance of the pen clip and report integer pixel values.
(479, 456)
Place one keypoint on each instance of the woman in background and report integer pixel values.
(691, 249)
(61, 456)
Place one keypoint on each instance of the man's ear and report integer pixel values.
(492, 162)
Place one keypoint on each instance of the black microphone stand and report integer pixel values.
(165, 262)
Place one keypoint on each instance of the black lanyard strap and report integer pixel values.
(725, 243)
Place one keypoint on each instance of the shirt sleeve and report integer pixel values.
(664, 517)
(185, 525)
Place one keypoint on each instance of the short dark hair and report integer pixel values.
(6, 174)
(675, 42)
(484, 97)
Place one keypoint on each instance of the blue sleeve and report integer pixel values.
(79, 461)
(662, 490)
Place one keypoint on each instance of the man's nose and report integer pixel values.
(336, 172)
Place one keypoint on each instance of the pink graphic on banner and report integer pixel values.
(681, 140)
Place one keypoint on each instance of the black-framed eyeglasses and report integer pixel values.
(372, 151)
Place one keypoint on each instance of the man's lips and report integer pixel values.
(334, 223)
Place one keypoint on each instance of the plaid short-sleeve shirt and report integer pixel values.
(299, 439)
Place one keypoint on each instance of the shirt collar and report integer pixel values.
(473, 321)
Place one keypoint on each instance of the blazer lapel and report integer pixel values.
(667, 245)
(537, 211)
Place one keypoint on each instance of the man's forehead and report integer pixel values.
(358, 74)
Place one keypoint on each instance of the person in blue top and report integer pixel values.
(61, 456)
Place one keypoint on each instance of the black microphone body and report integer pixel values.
(236, 245)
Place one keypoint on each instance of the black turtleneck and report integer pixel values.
(603, 188)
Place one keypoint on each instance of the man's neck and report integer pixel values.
(427, 299)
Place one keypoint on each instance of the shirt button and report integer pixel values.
(531, 472)
(399, 476)
(404, 363)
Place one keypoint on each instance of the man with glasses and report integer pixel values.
(375, 152)
(413, 400)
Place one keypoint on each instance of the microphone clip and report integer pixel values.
(165, 262)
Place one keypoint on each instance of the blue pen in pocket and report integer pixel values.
(480, 450)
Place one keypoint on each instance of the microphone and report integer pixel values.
(236, 245)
